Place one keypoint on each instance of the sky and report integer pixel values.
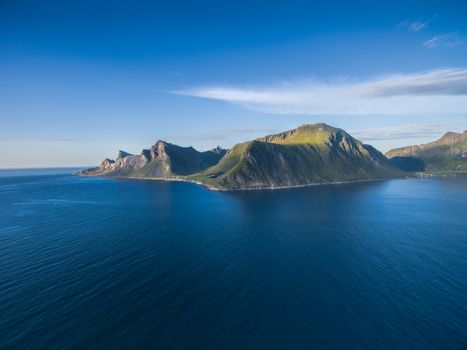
(80, 80)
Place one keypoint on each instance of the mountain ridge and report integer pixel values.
(447, 154)
(162, 160)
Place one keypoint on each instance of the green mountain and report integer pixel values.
(163, 160)
(310, 154)
(446, 155)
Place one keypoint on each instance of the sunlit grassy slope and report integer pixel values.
(312, 153)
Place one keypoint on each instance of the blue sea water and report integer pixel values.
(93, 263)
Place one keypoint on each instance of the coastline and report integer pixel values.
(269, 188)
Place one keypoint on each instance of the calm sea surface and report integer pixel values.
(121, 264)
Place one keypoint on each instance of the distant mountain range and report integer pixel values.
(310, 154)
(446, 155)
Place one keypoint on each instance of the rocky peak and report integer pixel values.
(107, 164)
(161, 146)
(123, 154)
(219, 150)
(158, 149)
(160, 143)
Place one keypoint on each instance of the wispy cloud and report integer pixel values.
(416, 26)
(449, 40)
(437, 82)
(223, 134)
(432, 92)
(401, 132)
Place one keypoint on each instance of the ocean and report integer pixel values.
(100, 263)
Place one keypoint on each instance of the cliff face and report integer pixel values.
(447, 154)
(162, 160)
(315, 153)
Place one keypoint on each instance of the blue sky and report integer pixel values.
(81, 79)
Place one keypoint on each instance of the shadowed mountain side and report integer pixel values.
(409, 164)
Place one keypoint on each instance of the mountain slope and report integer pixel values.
(447, 154)
(163, 160)
(313, 153)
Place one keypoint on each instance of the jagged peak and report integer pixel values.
(160, 142)
(123, 154)
(218, 149)
(107, 164)
(159, 146)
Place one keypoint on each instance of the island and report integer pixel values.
(308, 155)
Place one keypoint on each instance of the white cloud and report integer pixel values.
(434, 41)
(402, 132)
(416, 26)
(449, 40)
(437, 82)
(433, 92)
